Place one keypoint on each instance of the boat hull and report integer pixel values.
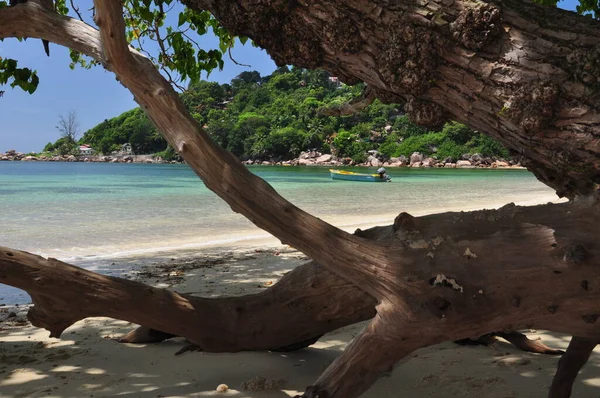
(350, 176)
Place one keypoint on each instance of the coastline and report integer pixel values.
(87, 361)
(124, 260)
(311, 158)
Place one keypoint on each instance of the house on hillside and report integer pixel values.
(335, 81)
(126, 149)
(85, 149)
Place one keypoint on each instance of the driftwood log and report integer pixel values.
(524, 74)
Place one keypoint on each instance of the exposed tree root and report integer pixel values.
(569, 365)
(436, 278)
(517, 339)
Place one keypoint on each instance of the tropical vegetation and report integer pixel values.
(276, 117)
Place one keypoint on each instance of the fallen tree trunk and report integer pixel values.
(435, 278)
(459, 275)
(309, 296)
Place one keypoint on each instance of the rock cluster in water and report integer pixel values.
(311, 158)
(13, 155)
(315, 158)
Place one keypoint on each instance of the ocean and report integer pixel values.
(92, 214)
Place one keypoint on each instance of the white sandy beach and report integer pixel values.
(87, 362)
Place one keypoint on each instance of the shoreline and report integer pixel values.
(124, 261)
(87, 361)
(309, 159)
(256, 237)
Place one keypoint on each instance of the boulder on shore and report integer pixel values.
(428, 162)
(464, 164)
(415, 157)
(373, 161)
(323, 159)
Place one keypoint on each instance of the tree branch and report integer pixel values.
(224, 174)
(220, 170)
(520, 72)
(460, 282)
(216, 325)
(569, 365)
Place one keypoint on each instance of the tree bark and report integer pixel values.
(435, 278)
(525, 74)
(461, 275)
(307, 302)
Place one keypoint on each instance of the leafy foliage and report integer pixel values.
(179, 56)
(24, 78)
(275, 118)
(180, 53)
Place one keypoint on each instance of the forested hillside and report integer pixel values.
(276, 117)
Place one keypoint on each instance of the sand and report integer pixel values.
(88, 362)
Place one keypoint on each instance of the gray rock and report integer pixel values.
(464, 164)
(416, 157)
(324, 158)
(428, 162)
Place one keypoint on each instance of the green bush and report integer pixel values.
(487, 146)
(276, 117)
(169, 154)
(458, 132)
(405, 128)
(285, 143)
(391, 145)
(420, 143)
(349, 145)
(450, 149)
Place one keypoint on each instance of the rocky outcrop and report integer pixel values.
(312, 158)
(464, 164)
(372, 161)
(308, 158)
(415, 157)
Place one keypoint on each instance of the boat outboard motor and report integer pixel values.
(381, 171)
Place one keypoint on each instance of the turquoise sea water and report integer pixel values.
(86, 212)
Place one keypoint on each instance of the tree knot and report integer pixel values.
(590, 318)
(407, 63)
(533, 106)
(404, 221)
(575, 254)
(477, 26)
(584, 65)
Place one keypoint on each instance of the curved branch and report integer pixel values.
(227, 324)
(221, 172)
(520, 72)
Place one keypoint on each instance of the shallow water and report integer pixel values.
(88, 213)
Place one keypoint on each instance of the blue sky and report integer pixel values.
(27, 122)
